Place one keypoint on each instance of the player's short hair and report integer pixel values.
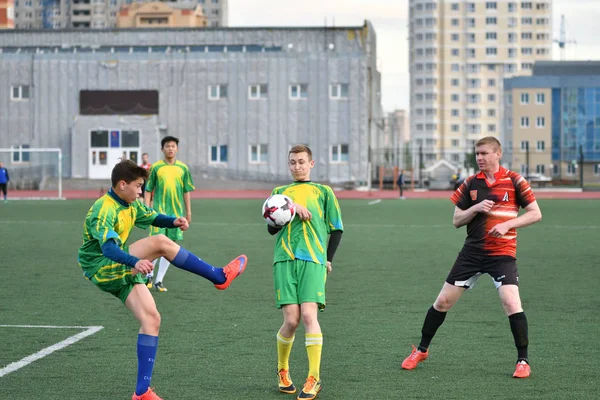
(301, 148)
(144, 154)
(489, 140)
(168, 139)
(128, 171)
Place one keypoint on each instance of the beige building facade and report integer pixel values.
(160, 15)
(7, 14)
(460, 53)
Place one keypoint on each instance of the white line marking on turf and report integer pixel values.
(372, 202)
(449, 225)
(12, 367)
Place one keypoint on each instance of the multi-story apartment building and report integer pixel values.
(7, 14)
(98, 14)
(460, 52)
(155, 15)
(552, 121)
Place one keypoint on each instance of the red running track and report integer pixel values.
(263, 194)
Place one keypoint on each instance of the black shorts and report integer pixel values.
(3, 188)
(468, 267)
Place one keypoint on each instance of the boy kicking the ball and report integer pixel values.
(301, 263)
(119, 269)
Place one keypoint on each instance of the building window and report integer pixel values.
(524, 145)
(19, 92)
(541, 145)
(455, 52)
(455, 142)
(491, 20)
(299, 92)
(571, 169)
(455, 112)
(455, 82)
(338, 91)
(455, 97)
(491, 36)
(540, 98)
(491, 82)
(454, 127)
(540, 169)
(596, 169)
(490, 5)
(259, 153)
(216, 92)
(555, 169)
(524, 98)
(218, 154)
(526, 35)
(20, 155)
(512, 7)
(540, 122)
(524, 122)
(491, 112)
(491, 51)
(454, 21)
(524, 170)
(492, 98)
(491, 127)
(339, 153)
(454, 37)
(454, 6)
(257, 92)
(471, 7)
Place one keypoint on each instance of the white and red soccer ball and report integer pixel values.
(278, 210)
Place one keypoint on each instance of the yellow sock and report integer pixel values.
(284, 348)
(314, 345)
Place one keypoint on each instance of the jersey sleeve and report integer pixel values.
(151, 182)
(461, 196)
(101, 225)
(333, 214)
(188, 182)
(523, 191)
(145, 216)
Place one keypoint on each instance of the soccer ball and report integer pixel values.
(278, 210)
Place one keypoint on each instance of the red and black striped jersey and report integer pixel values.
(509, 192)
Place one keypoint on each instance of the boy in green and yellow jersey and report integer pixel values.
(114, 267)
(302, 260)
(168, 191)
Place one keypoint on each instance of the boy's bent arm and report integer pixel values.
(111, 250)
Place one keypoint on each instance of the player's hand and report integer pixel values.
(484, 207)
(188, 216)
(499, 230)
(329, 267)
(143, 266)
(303, 212)
(181, 223)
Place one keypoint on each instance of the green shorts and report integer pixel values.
(116, 279)
(174, 234)
(298, 282)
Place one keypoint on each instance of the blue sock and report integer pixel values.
(192, 263)
(146, 352)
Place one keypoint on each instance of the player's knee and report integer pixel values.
(162, 241)
(309, 318)
(512, 306)
(443, 303)
(153, 319)
(292, 323)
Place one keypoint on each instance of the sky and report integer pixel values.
(390, 19)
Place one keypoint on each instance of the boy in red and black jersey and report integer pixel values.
(488, 203)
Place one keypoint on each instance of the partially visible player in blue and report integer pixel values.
(119, 269)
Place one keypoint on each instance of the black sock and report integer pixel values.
(518, 326)
(433, 321)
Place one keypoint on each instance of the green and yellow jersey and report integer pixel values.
(110, 218)
(307, 240)
(169, 182)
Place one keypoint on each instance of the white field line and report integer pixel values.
(242, 224)
(12, 367)
(373, 202)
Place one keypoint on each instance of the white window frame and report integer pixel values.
(20, 97)
(540, 98)
(259, 152)
(258, 89)
(524, 122)
(571, 169)
(339, 148)
(597, 169)
(540, 146)
(218, 97)
(540, 169)
(218, 160)
(540, 122)
(524, 98)
(524, 145)
(299, 91)
(20, 149)
(338, 87)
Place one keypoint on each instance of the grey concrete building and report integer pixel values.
(97, 14)
(237, 98)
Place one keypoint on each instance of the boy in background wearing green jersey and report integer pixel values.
(301, 263)
(114, 267)
(168, 191)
